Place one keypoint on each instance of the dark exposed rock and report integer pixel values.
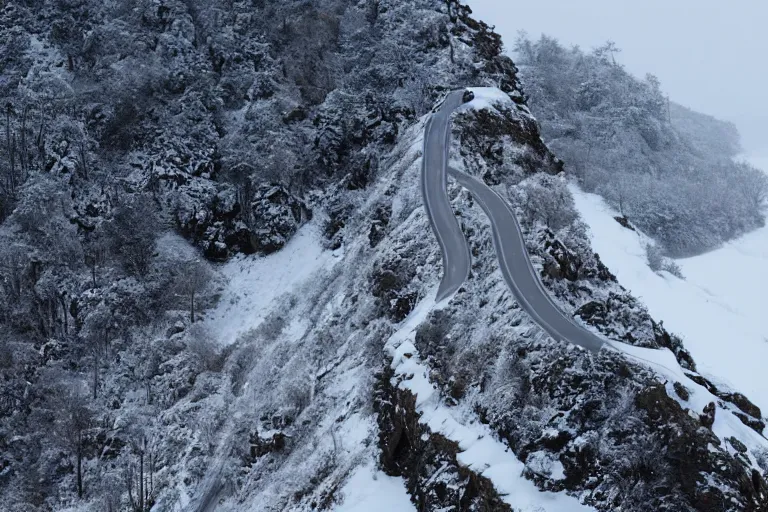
(737, 445)
(624, 221)
(112, 447)
(565, 264)
(675, 344)
(753, 416)
(681, 391)
(260, 446)
(402, 306)
(685, 448)
(707, 418)
(753, 423)
(758, 482)
(701, 381)
(612, 314)
(485, 132)
(277, 215)
(338, 215)
(562, 263)
(379, 224)
(425, 460)
(601, 271)
(594, 313)
(743, 403)
(297, 114)
(390, 285)
(223, 227)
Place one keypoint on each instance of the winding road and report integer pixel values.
(515, 264)
(434, 192)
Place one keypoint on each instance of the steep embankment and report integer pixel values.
(716, 308)
(349, 367)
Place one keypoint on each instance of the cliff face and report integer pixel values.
(237, 125)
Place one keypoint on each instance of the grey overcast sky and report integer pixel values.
(710, 55)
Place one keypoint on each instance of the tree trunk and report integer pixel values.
(23, 141)
(62, 301)
(40, 141)
(130, 486)
(9, 178)
(141, 481)
(192, 307)
(83, 160)
(93, 275)
(95, 373)
(79, 464)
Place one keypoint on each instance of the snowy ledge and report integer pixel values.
(481, 451)
(687, 310)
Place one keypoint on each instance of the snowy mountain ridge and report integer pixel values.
(287, 355)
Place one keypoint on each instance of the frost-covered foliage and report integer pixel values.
(227, 122)
(233, 124)
(527, 391)
(668, 169)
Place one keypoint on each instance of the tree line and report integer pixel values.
(669, 170)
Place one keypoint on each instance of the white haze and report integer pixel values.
(709, 55)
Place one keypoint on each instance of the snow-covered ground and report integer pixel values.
(481, 449)
(717, 309)
(254, 282)
(371, 490)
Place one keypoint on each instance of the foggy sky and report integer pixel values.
(709, 55)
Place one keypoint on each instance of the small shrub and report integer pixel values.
(205, 350)
(272, 326)
(654, 257)
(431, 334)
(673, 268)
(6, 355)
(657, 261)
(239, 366)
(298, 397)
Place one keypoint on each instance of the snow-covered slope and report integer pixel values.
(255, 282)
(717, 309)
(371, 490)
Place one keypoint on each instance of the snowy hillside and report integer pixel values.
(254, 284)
(217, 281)
(718, 309)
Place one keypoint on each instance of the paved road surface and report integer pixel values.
(514, 261)
(518, 271)
(434, 191)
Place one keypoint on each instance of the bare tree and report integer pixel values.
(73, 422)
(96, 332)
(192, 280)
(619, 190)
(133, 234)
(546, 199)
(95, 251)
(139, 478)
(372, 8)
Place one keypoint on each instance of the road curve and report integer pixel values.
(516, 266)
(518, 271)
(434, 191)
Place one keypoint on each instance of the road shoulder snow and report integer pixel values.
(481, 450)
